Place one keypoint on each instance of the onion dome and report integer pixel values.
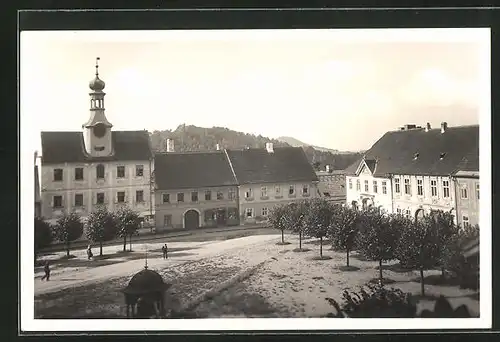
(97, 84)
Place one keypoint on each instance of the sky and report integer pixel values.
(341, 89)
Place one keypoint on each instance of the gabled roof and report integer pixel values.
(417, 152)
(285, 164)
(192, 170)
(68, 147)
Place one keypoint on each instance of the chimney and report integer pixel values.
(36, 156)
(427, 127)
(269, 147)
(217, 147)
(170, 145)
(444, 126)
(327, 168)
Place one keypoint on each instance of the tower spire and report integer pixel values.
(97, 66)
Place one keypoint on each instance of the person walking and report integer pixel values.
(166, 251)
(89, 252)
(163, 251)
(46, 269)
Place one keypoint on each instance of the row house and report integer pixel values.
(332, 185)
(270, 176)
(96, 166)
(194, 189)
(419, 169)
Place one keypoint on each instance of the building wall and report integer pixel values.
(334, 184)
(178, 209)
(90, 186)
(268, 199)
(376, 199)
(409, 204)
(467, 207)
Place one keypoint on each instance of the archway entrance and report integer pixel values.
(419, 214)
(191, 219)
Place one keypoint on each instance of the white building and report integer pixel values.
(95, 166)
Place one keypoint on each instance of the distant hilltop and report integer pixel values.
(193, 138)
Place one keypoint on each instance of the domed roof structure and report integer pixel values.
(146, 281)
(97, 84)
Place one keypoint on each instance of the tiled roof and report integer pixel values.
(192, 170)
(417, 152)
(68, 147)
(285, 164)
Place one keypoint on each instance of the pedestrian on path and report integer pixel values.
(166, 251)
(46, 269)
(163, 250)
(89, 252)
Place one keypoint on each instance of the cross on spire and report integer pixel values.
(97, 66)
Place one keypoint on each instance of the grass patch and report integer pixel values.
(283, 243)
(385, 281)
(324, 257)
(348, 268)
(300, 250)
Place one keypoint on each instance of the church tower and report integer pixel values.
(97, 130)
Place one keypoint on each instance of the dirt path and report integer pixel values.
(198, 250)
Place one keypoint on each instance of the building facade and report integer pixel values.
(95, 166)
(419, 166)
(193, 190)
(332, 185)
(268, 177)
(467, 192)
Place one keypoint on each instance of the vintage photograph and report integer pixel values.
(255, 174)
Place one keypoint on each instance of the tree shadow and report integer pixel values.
(286, 243)
(317, 242)
(301, 250)
(438, 280)
(385, 281)
(348, 268)
(396, 268)
(317, 257)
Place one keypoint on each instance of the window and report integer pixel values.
(291, 190)
(249, 212)
(465, 221)
(120, 196)
(167, 220)
(249, 193)
(220, 195)
(477, 190)
(78, 200)
(58, 202)
(232, 194)
(263, 191)
(358, 185)
(434, 190)
(208, 195)
(194, 196)
(180, 197)
(463, 191)
(397, 185)
(79, 173)
(375, 187)
(350, 183)
(120, 171)
(139, 196)
(100, 171)
(166, 198)
(264, 211)
(277, 190)
(366, 186)
(446, 189)
(407, 213)
(420, 187)
(407, 186)
(100, 198)
(384, 187)
(139, 170)
(58, 175)
(305, 190)
(398, 210)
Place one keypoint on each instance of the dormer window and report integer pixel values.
(441, 156)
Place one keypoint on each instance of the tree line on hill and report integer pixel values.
(192, 138)
(101, 226)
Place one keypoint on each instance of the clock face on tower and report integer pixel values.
(99, 130)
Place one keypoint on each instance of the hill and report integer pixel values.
(192, 138)
(297, 143)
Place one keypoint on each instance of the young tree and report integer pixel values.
(378, 238)
(446, 231)
(344, 228)
(318, 220)
(419, 246)
(101, 226)
(128, 222)
(278, 219)
(43, 235)
(68, 228)
(296, 218)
